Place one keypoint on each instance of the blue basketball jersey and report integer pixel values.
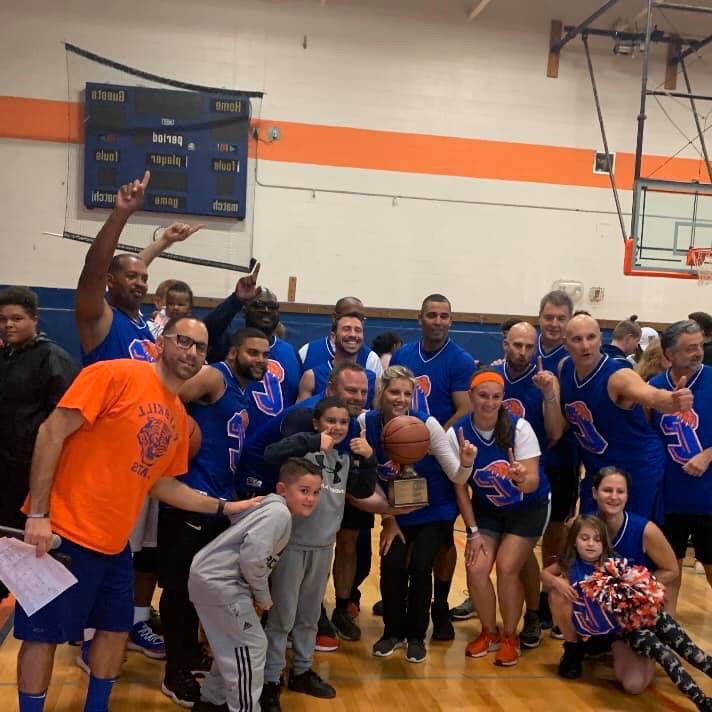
(322, 351)
(442, 505)
(279, 386)
(628, 541)
(551, 359)
(588, 617)
(223, 425)
(126, 339)
(491, 487)
(610, 435)
(686, 435)
(437, 376)
(321, 376)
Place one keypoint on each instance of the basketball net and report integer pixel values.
(700, 259)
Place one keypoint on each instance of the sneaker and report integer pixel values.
(310, 683)
(415, 652)
(269, 699)
(82, 660)
(353, 609)
(203, 706)
(485, 642)
(326, 642)
(201, 661)
(385, 647)
(377, 609)
(464, 611)
(531, 634)
(442, 629)
(345, 626)
(143, 639)
(545, 618)
(182, 688)
(556, 633)
(509, 652)
(571, 663)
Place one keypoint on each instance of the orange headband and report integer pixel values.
(487, 376)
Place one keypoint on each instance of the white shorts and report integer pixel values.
(145, 531)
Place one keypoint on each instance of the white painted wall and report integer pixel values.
(398, 65)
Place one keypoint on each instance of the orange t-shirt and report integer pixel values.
(135, 431)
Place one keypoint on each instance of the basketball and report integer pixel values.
(195, 438)
(405, 439)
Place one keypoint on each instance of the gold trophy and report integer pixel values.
(406, 440)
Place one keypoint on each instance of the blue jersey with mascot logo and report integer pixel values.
(126, 339)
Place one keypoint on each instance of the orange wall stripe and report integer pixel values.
(59, 121)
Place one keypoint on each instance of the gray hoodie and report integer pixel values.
(239, 561)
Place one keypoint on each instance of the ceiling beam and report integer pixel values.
(477, 9)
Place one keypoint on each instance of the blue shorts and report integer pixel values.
(102, 598)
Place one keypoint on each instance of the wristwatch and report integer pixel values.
(472, 532)
(221, 508)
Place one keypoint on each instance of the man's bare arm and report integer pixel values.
(177, 232)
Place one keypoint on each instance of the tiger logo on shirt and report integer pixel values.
(154, 438)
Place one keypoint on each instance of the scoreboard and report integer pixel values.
(194, 144)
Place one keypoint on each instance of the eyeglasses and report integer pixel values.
(263, 306)
(186, 343)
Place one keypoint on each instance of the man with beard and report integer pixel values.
(217, 399)
(347, 338)
(119, 433)
(531, 393)
(442, 375)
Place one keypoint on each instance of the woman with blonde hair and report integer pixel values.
(652, 361)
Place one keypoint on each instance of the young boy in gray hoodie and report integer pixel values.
(228, 584)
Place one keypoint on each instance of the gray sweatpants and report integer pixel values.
(239, 646)
(298, 583)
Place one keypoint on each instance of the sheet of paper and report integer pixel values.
(33, 581)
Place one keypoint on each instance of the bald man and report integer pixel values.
(531, 393)
(603, 401)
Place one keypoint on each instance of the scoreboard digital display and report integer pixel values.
(194, 144)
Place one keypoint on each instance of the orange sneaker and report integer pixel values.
(509, 652)
(485, 643)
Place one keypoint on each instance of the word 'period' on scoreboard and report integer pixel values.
(194, 144)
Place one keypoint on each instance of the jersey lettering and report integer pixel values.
(680, 430)
(271, 400)
(590, 618)
(143, 350)
(585, 431)
(236, 428)
(421, 393)
(494, 477)
(514, 406)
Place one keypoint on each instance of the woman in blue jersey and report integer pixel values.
(410, 542)
(641, 542)
(505, 515)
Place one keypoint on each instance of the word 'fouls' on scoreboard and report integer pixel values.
(194, 144)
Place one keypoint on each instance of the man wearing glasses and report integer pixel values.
(117, 435)
(218, 399)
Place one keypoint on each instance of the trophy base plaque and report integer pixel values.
(408, 491)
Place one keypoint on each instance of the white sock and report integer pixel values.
(89, 633)
(141, 614)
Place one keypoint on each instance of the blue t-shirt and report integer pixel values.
(588, 617)
(442, 505)
(492, 490)
(126, 339)
(686, 435)
(437, 376)
(322, 372)
(608, 434)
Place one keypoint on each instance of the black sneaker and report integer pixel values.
(345, 626)
(269, 699)
(571, 663)
(531, 634)
(201, 661)
(556, 633)
(443, 629)
(203, 706)
(545, 612)
(415, 652)
(182, 688)
(377, 609)
(385, 647)
(310, 683)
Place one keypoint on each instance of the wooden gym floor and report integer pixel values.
(446, 681)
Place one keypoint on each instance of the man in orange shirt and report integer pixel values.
(118, 434)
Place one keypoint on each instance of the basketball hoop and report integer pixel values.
(700, 259)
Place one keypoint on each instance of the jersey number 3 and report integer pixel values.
(270, 400)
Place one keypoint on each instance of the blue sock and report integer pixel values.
(98, 694)
(32, 703)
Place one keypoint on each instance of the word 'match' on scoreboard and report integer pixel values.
(194, 144)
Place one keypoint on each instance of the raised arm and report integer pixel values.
(626, 387)
(61, 423)
(554, 421)
(177, 232)
(93, 314)
(448, 451)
